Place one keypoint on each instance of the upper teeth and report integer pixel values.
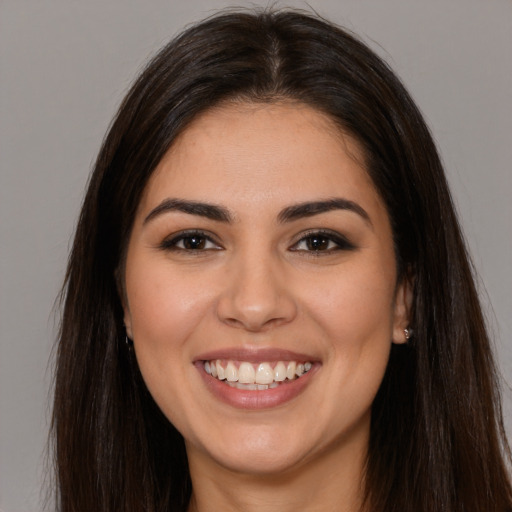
(262, 373)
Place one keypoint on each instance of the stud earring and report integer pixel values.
(408, 334)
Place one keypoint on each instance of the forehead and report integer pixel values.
(254, 153)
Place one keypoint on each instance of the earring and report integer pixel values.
(408, 334)
(129, 342)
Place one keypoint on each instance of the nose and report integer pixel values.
(257, 296)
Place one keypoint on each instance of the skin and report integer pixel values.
(257, 283)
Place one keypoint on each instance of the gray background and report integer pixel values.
(65, 66)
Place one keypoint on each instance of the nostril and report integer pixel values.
(254, 326)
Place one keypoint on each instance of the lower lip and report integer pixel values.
(256, 399)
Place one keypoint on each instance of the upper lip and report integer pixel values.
(255, 355)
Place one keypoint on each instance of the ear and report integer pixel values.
(402, 310)
(127, 321)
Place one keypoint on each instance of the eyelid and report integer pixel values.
(342, 242)
(170, 242)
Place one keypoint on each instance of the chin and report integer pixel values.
(261, 462)
(263, 452)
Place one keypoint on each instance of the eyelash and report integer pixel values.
(315, 236)
(341, 243)
(172, 244)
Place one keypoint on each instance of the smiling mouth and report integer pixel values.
(256, 377)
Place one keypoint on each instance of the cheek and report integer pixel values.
(355, 313)
(165, 309)
(358, 323)
(355, 304)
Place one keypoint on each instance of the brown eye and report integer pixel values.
(190, 241)
(322, 242)
(317, 243)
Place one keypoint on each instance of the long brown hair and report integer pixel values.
(437, 439)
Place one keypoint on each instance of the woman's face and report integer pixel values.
(261, 250)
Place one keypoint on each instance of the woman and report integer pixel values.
(268, 301)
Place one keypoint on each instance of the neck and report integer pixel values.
(329, 482)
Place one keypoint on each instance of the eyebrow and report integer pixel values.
(308, 209)
(288, 214)
(210, 211)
